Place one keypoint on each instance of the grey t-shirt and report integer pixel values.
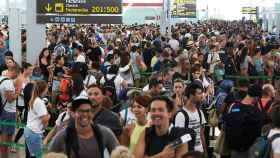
(88, 147)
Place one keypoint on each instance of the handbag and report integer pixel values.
(221, 147)
(213, 118)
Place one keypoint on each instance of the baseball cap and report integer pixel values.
(9, 53)
(76, 103)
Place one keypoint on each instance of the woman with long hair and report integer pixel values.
(132, 131)
(78, 86)
(245, 61)
(178, 96)
(45, 62)
(37, 119)
(125, 69)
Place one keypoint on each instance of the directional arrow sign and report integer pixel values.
(48, 7)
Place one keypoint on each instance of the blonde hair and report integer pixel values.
(39, 88)
(121, 152)
(55, 155)
(267, 88)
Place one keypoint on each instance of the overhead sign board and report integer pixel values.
(79, 11)
(249, 10)
(183, 8)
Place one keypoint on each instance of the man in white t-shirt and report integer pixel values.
(274, 134)
(9, 94)
(7, 89)
(193, 115)
(174, 44)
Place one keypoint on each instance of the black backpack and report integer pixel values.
(110, 89)
(267, 106)
(242, 122)
(262, 148)
(2, 103)
(187, 119)
(191, 131)
(265, 110)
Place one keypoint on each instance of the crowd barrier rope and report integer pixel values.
(20, 146)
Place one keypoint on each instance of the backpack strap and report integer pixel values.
(63, 116)
(105, 78)
(71, 140)
(267, 105)
(3, 80)
(273, 137)
(200, 115)
(125, 116)
(88, 79)
(99, 138)
(270, 140)
(187, 121)
(113, 79)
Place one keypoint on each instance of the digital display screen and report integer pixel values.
(183, 8)
(249, 10)
(79, 7)
(79, 11)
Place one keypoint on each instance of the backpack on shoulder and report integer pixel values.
(187, 119)
(213, 117)
(110, 89)
(262, 148)
(242, 122)
(65, 90)
(265, 110)
(189, 130)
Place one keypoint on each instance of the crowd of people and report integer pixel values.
(131, 92)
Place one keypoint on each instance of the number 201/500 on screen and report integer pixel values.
(109, 9)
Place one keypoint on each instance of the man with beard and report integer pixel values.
(155, 141)
(102, 115)
(190, 116)
(155, 87)
(82, 138)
